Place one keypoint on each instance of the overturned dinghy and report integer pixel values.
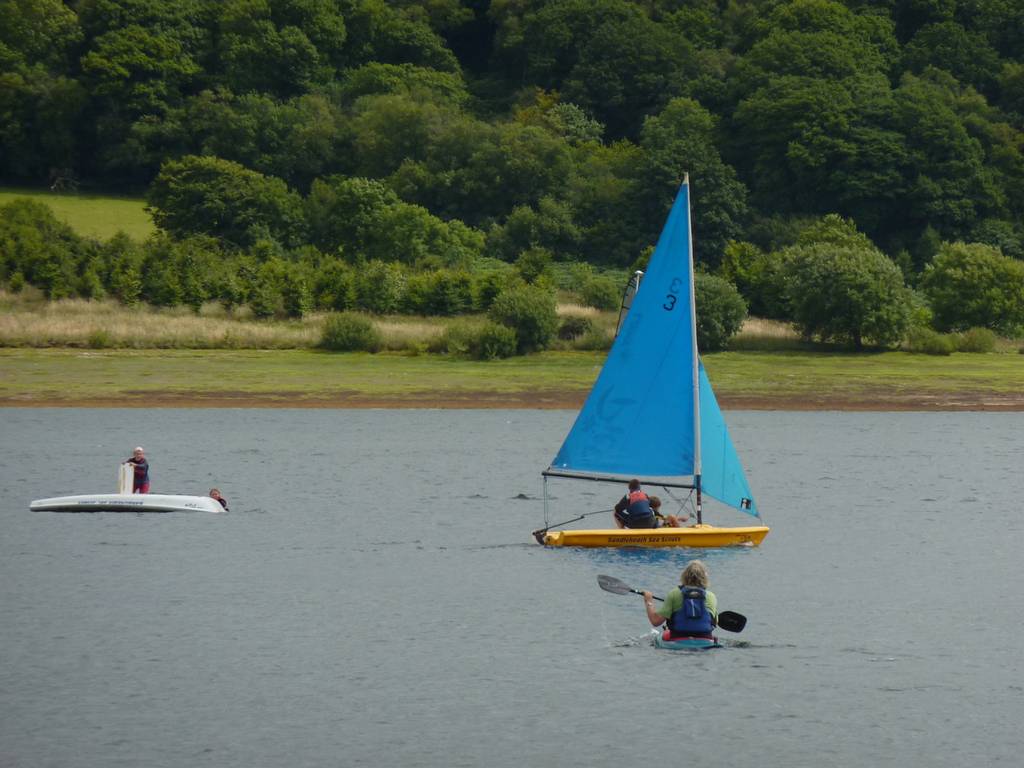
(127, 502)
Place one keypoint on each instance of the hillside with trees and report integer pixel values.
(857, 165)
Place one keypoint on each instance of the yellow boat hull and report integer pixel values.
(692, 536)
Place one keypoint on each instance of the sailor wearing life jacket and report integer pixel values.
(634, 509)
(690, 610)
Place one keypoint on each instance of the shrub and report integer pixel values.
(349, 332)
(488, 286)
(334, 286)
(379, 287)
(574, 326)
(295, 295)
(765, 282)
(485, 341)
(454, 340)
(594, 340)
(976, 340)
(720, 311)
(928, 342)
(601, 293)
(443, 292)
(99, 339)
(531, 312)
(533, 264)
(493, 341)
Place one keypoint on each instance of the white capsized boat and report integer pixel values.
(126, 501)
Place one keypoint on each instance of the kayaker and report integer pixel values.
(215, 494)
(634, 509)
(140, 482)
(691, 609)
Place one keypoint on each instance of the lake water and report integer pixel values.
(374, 598)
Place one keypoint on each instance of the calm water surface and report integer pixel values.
(374, 598)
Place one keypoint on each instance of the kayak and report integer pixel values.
(691, 536)
(684, 643)
(127, 502)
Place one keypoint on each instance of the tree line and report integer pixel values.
(439, 136)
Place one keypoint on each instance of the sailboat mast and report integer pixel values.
(694, 364)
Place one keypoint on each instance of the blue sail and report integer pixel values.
(638, 420)
(722, 475)
(639, 417)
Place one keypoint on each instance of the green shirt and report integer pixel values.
(674, 602)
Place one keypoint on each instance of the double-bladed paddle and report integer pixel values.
(730, 621)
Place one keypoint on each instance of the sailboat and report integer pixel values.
(652, 414)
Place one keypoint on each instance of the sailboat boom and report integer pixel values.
(617, 479)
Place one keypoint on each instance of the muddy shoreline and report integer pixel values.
(567, 400)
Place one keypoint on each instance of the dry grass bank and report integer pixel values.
(28, 320)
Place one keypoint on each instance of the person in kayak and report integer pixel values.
(691, 609)
(140, 482)
(215, 494)
(634, 509)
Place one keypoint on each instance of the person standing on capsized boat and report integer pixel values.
(691, 609)
(634, 509)
(140, 482)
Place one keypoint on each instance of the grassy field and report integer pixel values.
(98, 216)
(783, 380)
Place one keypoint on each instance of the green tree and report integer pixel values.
(549, 226)
(365, 219)
(681, 140)
(390, 129)
(161, 279)
(948, 186)
(207, 195)
(281, 47)
(38, 115)
(604, 194)
(969, 284)
(45, 252)
(377, 32)
(40, 32)
(720, 311)
(376, 78)
(379, 287)
(846, 293)
(123, 258)
(966, 55)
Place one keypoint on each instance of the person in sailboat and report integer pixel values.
(671, 521)
(690, 610)
(215, 494)
(140, 482)
(634, 509)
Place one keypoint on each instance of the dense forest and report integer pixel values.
(877, 144)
